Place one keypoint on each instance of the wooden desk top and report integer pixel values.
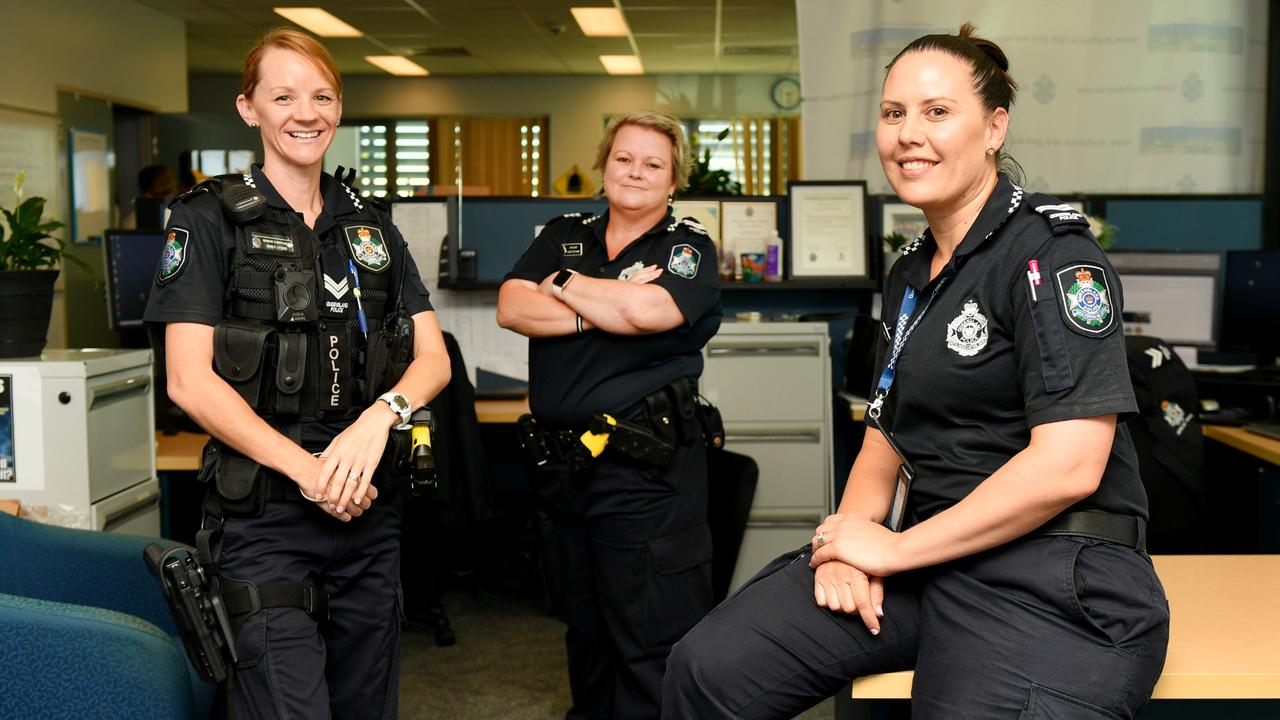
(1259, 446)
(1224, 632)
(181, 452)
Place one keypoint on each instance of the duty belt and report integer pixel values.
(1120, 529)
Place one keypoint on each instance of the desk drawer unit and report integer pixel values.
(772, 383)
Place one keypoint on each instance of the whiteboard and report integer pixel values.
(29, 142)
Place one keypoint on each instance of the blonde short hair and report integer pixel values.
(660, 122)
(289, 39)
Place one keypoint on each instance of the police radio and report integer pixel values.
(197, 610)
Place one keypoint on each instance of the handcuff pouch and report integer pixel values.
(238, 481)
(238, 350)
(291, 370)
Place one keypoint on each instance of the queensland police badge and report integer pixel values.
(684, 261)
(368, 248)
(174, 256)
(1086, 299)
(967, 334)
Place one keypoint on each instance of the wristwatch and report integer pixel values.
(561, 281)
(400, 406)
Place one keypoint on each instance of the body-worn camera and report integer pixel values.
(295, 302)
(197, 609)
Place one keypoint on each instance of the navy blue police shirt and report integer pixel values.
(575, 376)
(205, 244)
(988, 361)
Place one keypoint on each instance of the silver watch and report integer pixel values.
(400, 405)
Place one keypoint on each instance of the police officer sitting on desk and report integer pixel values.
(617, 307)
(271, 349)
(1018, 584)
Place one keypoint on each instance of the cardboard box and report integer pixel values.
(13, 507)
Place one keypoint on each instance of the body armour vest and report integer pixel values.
(312, 326)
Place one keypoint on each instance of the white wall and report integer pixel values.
(112, 48)
(1140, 96)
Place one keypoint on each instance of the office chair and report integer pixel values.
(731, 488)
(86, 632)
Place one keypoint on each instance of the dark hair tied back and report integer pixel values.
(990, 66)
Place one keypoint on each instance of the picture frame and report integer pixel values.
(829, 238)
(897, 216)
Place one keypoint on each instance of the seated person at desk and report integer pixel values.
(1017, 585)
(617, 307)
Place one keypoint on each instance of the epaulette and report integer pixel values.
(912, 246)
(1062, 218)
(694, 226)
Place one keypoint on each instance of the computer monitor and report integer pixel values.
(132, 258)
(1251, 304)
(1173, 296)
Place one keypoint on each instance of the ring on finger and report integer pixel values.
(822, 539)
(353, 476)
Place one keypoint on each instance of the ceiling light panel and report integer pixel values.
(622, 64)
(317, 21)
(600, 21)
(397, 65)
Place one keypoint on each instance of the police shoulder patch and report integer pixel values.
(694, 226)
(174, 257)
(684, 261)
(368, 248)
(1087, 305)
(1061, 216)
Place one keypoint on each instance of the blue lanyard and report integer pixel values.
(901, 332)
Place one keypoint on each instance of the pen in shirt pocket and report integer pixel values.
(1033, 277)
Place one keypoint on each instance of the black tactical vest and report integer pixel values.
(292, 341)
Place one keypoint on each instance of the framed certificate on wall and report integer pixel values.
(829, 238)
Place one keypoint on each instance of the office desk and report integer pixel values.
(1259, 446)
(181, 452)
(1224, 632)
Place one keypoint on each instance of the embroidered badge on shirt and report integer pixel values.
(1086, 299)
(336, 289)
(1175, 416)
(367, 247)
(573, 249)
(967, 334)
(684, 261)
(627, 272)
(175, 254)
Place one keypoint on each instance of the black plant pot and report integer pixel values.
(26, 301)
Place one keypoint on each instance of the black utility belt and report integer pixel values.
(579, 448)
(1127, 530)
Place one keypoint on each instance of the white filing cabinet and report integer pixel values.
(772, 383)
(77, 430)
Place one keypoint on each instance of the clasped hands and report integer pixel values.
(851, 558)
(343, 473)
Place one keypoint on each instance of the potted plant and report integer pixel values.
(29, 258)
(705, 182)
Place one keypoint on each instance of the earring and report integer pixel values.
(991, 151)
(671, 199)
(338, 124)
(253, 125)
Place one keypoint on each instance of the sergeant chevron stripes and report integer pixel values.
(336, 288)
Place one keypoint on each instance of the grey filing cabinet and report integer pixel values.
(80, 436)
(772, 383)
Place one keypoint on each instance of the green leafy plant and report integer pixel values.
(705, 182)
(28, 244)
(1103, 231)
(894, 241)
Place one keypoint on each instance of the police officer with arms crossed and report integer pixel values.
(273, 351)
(617, 307)
(1018, 585)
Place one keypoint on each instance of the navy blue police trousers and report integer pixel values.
(292, 665)
(627, 563)
(1042, 627)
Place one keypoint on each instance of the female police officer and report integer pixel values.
(617, 307)
(271, 350)
(1019, 586)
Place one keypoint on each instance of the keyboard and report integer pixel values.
(1271, 430)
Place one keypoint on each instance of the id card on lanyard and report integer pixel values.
(901, 332)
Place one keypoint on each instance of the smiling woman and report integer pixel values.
(288, 304)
